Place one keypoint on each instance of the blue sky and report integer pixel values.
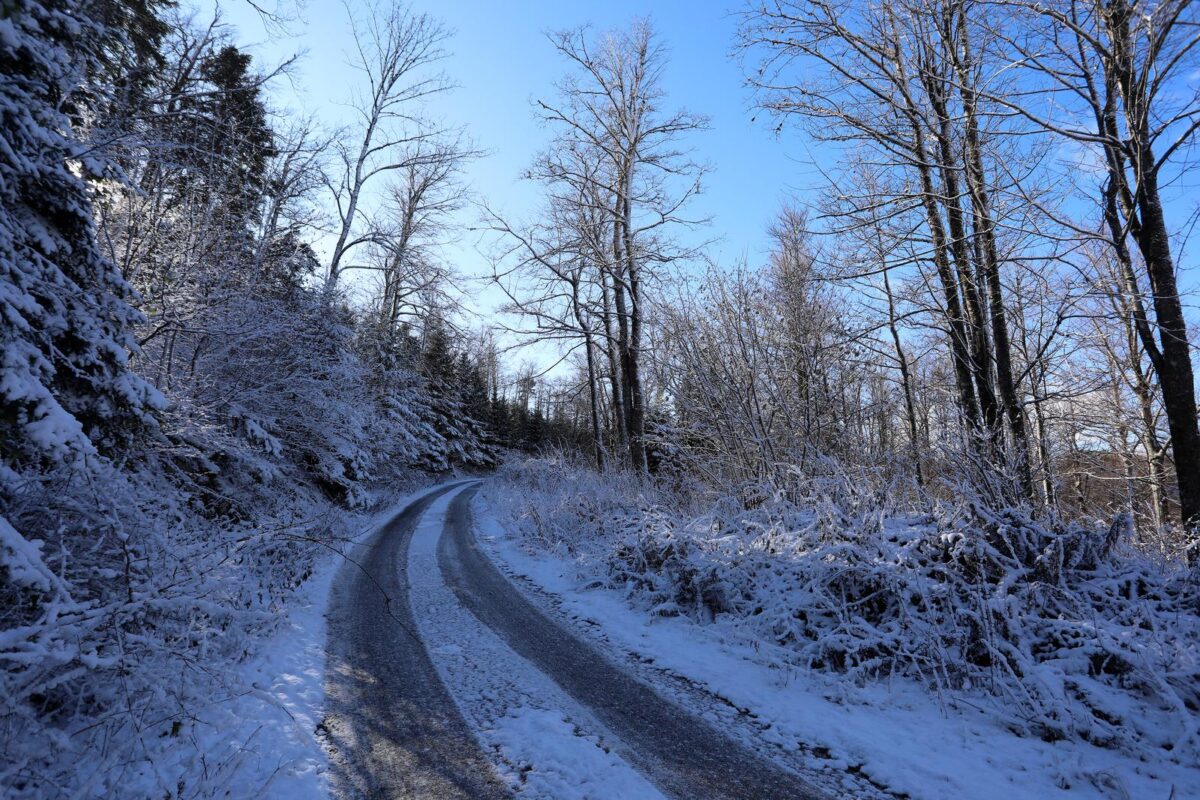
(501, 60)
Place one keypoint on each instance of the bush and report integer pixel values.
(1075, 634)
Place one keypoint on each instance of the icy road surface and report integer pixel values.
(443, 681)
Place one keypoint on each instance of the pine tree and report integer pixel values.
(234, 138)
(455, 400)
(64, 388)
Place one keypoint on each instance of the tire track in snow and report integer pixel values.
(680, 753)
(392, 729)
(545, 744)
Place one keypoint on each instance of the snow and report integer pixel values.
(264, 738)
(896, 734)
(544, 744)
(267, 735)
(23, 559)
(568, 763)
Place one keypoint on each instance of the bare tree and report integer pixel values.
(897, 88)
(610, 109)
(871, 97)
(1123, 67)
(289, 211)
(395, 49)
(415, 222)
(551, 277)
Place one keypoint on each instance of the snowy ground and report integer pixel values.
(898, 736)
(267, 742)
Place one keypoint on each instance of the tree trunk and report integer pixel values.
(621, 441)
(980, 348)
(637, 407)
(956, 329)
(985, 230)
(910, 407)
(1149, 230)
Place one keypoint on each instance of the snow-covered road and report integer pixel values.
(444, 681)
(391, 727)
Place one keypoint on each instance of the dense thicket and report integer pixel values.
(1050, 627)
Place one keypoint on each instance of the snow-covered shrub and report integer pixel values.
(122, 621)
(1077, 635)
(65, 316)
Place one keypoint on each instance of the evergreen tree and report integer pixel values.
(234, 135)
(210, 144)
(474, 388)
(64, 387)
(437, 358)
(456, 402)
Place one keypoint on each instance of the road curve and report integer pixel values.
(679, 753)
(392, 728)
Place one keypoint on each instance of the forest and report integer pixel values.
(947, 429)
